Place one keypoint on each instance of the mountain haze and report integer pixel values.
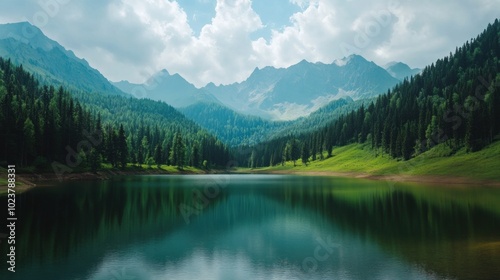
(172, 89)
(274, 93)
(232, 128)
(237, 113)
(400, 70)
(450, 108)
(289, 93)
(236, 129)
(25, 44)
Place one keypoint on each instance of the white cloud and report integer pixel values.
(222, 52)
(301, 3)
(127, 39)
(383, 31)
(311, 35)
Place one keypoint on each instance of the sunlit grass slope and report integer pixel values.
(360, 158)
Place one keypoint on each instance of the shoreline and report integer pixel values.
(30, 180)
(426, 179)
(26, 181)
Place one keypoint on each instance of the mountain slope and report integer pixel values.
(42, 124)
(321, 117)
(400, 70)
(172, 89)
(289, 93)
(150, 126)
(25, 44)
(452, 104)
(231, 127)
(237, 129)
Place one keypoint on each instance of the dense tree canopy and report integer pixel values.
(42, 125)
(453, 101)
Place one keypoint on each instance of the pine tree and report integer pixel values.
(111, 152)
(94, 159)
(158, 155)
(253, 159)
(178, 151)
(314, 147)
(28, 140)
(430, 133)
(144, 149)
(292, 151)
(122, 150)
(195, 155)
(305, 154)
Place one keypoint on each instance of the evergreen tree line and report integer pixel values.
(454, 101)
(40, 124)
(231, 127)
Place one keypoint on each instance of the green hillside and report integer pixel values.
(452, 106)
(361, 159)
(51, 129)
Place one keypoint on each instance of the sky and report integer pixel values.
(223, 41)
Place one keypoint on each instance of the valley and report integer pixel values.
(317, 106)
(249, 139)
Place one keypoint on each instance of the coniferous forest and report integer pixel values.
(244, 140)
(454, 101)
(43, 126)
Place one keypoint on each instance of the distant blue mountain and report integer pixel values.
(275, 93)
(25, 44)
(291, 93)
(296, 91)
(400, 70)
(172, 89)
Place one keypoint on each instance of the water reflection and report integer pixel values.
(253, 226)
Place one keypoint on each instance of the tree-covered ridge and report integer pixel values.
(231, 127)
(453, 101)
(322, 117)
(153, 124)
(43, 126)
(235, 129)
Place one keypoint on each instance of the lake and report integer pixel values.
(255, 227)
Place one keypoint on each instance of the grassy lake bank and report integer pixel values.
(438, 165)
(26, 178)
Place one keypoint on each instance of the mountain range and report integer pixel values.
(271, 94)
(308, 106)
(279, 93)
(173, 89)
(296, 91)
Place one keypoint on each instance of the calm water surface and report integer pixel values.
(255, 227)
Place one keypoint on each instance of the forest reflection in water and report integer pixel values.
(257, 226)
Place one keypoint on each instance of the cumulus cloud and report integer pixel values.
(396, 30)
(127, 39)
(312, 31)
(222, 51)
